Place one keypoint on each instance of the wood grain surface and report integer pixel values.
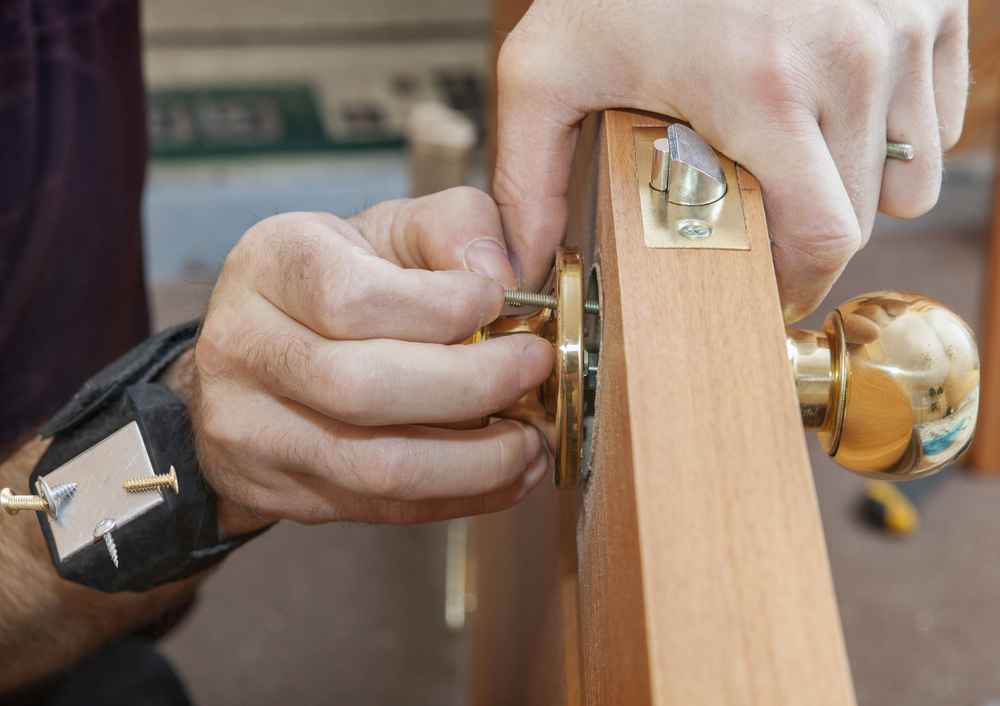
(692, 568)
(699, 534)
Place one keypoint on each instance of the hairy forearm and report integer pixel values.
(48, 624)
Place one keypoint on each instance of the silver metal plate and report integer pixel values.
(660, 218)
(99, 473)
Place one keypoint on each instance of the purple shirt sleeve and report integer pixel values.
(73, 150)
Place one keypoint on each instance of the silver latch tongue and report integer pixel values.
(687, 168)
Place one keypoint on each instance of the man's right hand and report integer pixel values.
(327, 342)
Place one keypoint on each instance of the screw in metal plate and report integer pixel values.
(103, 530)
(12, 504)
(164, 480)
(694, 229)
(56, 497)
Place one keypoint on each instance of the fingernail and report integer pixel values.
(487, 258)
(538, 468)
(515, 265)
(536, 364)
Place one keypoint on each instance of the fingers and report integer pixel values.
(341, 291)
(811, 219)
(457, 229)
(910, 188)
(317, 502)
(951, 73)
(382, 381)
(304, 466)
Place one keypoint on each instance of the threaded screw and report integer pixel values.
(515, 297)
(57, 496)
(103, 531)
(900, 150)
(165, 480)
(12, 504)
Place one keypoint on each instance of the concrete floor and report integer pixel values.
(355, 615)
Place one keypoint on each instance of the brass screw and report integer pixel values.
(12, 504)
(900, 150)
(515, 297)
(139, 485)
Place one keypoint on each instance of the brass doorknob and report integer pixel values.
(891, 384)
(559, 401)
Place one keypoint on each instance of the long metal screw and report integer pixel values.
(900, 150)
(515, 297)
(103, 530)
(165, 480)
(12, 504)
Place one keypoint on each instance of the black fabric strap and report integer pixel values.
(175, 539)
(141, 364)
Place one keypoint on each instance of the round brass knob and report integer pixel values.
(891, 384)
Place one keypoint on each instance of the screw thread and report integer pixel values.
(26, 502)
(139, 485)
(63, 491)
(899, 150)
(112, 549)
(516, 297)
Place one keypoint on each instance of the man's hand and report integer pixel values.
(327, 340)
(804, 93)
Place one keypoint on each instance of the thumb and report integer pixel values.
(536, 139)
(456, 229)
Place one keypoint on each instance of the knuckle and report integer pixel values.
(297, 250)
(389, 472)
(353, 382)
(215, 342)
(862, 55)
(220, 429)
(516, 64)
(466, 199)
(273, 357)
(344, 299)
(823, 254)
(778, 79)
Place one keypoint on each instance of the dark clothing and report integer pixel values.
(72, 158)
(72, 299)
(128, 673)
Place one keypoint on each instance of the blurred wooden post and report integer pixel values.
(981, 124)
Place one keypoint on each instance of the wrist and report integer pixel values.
(181, 376)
